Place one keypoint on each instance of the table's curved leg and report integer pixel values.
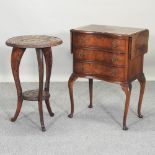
(72, 78)
(90, 92)
(39, 53)
(48, 60)
(16, 56)
(142, 82)
(126, 87)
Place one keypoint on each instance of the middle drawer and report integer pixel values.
(107, 58)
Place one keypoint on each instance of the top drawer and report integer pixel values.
(99, 41)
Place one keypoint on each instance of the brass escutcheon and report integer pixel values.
(114, 44)
(114, 59)
(113, 72)
(82, 54)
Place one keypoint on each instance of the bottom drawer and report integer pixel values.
(113, 73)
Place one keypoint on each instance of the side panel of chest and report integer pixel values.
(139, 44)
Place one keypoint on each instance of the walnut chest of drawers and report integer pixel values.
(109, 53)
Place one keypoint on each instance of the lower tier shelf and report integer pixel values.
(32, 95)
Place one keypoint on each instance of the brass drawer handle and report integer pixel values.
(114, 59)
(114, 44)
(81, 68)
(113, 72)
(81, 54)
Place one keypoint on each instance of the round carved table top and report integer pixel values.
(33, 41)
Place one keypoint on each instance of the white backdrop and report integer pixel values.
(20, 17)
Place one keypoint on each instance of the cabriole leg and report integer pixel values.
(39, 53)
(142, 82)
(126, 87)
(72, 78)
(48, 60)
(16, 56)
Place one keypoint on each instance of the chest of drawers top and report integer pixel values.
(110, 30)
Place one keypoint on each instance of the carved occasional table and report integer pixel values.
(43, 45)
(109, 53)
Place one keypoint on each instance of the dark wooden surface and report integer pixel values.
(107, 29)
(42, 44)
(109, 53)
(32, 95)
(33, 41)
